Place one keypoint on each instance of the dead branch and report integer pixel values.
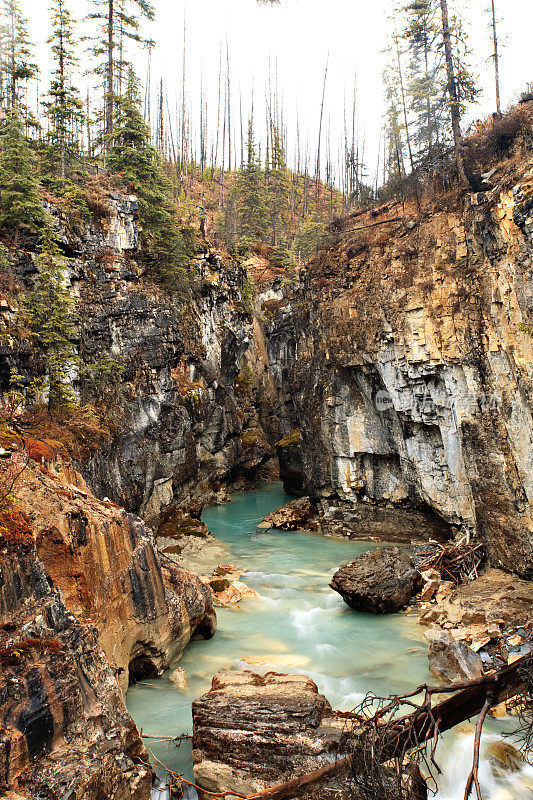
(183, 737)
(190, 783)
(422, 725)
(473, 777)
(373, 224)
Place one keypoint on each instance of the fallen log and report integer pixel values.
(422, 725)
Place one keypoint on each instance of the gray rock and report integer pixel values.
(382, 581)
(451, 661)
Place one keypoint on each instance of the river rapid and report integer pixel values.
(299, 624)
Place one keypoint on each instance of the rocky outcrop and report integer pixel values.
(64, 728)
(404, 360)
(190, 426)
(382, 580)
(251, 731)
(104, 561)
(492, 615)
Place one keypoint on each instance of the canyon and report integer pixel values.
(391, 386)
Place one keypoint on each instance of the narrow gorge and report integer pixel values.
(266, 431)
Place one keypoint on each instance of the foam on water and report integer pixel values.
(456, 757)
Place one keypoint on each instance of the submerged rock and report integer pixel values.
(451, 660)
(504, 758)
(179, 678)
(382, 581)
(251, 731)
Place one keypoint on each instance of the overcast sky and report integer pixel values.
(298, 35)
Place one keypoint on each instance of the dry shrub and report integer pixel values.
(14, 524)
(14, 653)
(97, 198)
(76, 432)
(498, 138)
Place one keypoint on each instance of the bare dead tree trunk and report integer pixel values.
(496, 58)
(320, 126)
(229, 106)
(110, 105)
(404, 104)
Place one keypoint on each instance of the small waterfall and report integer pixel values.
(455, 760)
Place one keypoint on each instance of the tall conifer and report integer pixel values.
(64, 108)
(19, 187)
(49, 309)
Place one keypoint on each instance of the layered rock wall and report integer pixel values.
(405, 361)
(64, 728)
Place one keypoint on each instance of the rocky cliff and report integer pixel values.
(86, 605)
(64, 728)
(185, 425)
(403, 370)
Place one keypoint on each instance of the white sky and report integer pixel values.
(298, 35)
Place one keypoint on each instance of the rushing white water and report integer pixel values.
(299, 625)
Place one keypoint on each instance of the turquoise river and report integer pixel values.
(299, 624)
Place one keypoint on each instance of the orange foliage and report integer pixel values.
(14, 526)
(13, 653)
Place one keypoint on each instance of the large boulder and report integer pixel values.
(382, 581)
(251, 731)
(299, 514)
(451, 660)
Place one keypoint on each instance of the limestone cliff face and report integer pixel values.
(185, 430)
(187, 427)
(406, 362)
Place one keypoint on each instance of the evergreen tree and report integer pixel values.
(118, 22)
(16, 50)
(252, 219)
(64, 108)
(278, 188)
(460, 85)
(395, 130)
(19, 188)
(309, 235)
(49, 309)
(165, 247)
(427, 79)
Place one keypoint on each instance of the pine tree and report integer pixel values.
(132, 156)
(49, 310)
(395, 132)
(278, 188)
(64, 109)
(427, 78)
(460, 86)
(17, 54)
(118, 22)
(251, 202)
(19, 188)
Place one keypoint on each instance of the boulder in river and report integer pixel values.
(382, 580)
(299, 514)
(451, 660)
(251, 731)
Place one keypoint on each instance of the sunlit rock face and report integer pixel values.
(406, 363)
(104, 560)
